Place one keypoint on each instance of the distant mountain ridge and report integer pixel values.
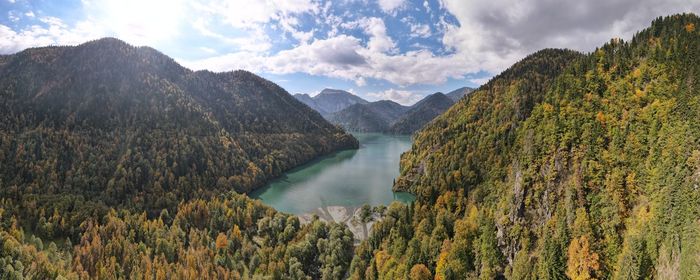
(371, 117)
(330, 101)
(457, 94)
(421, 113)
(390, 117)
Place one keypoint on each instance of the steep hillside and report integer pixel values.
(563, 166)
(371, 117)
(110, 147)
(121, 125)
(421, 113)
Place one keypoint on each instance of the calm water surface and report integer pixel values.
(348, 178)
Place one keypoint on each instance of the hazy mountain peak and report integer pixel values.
(327, 91)
(457, 94)
(330, 100)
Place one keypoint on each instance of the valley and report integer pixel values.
(554, 154)
(384, 116)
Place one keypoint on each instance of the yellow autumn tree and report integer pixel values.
(442, 260)
(236, 237)
(420, 272)
(582, 264)
(221, 241)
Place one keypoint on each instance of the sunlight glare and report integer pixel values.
(139, 22)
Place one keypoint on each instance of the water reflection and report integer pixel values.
(348, 178)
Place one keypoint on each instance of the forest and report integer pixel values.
(564, 166)
(122, 161)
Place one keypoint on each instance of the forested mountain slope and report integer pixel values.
(421, 113)
(126, 154)
(229, 237)
(563, 166)
(371, 117)
(128, 125)
(390, 117)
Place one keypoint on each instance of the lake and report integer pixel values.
(346, 178)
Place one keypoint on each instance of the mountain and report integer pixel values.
(330, 101)
(390, 117)
(421, 113)
(137, 161)
(371, 117)
(457, 94)
(308, 100)
(129, 126)
(564, 166)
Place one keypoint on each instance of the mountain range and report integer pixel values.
(421, 113)
(370, 117)
(330, 101)
(118, 163)
(356, 114)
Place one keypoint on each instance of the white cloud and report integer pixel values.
(480, 81)
(12, 16)
(402, 97)
(208, 50)
(231, 61)
(494, 34)
(303, 37)
(54, 32)
(290, 25)
(255, 41)
(53, 22)
(29, 14)
(389, 6)
(345, 57)
(249, 13)
(420, 30)
(379, 41)
(333, 57)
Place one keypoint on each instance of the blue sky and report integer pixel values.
(382, 49)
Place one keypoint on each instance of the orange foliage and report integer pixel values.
(600, 117)
(690, 27)
(420, 272)
(221, 241)
(582, 264)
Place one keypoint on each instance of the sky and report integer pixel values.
(401, 50)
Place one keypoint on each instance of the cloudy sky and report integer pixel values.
(379, 49)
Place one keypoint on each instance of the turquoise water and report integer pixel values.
(347, 178)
